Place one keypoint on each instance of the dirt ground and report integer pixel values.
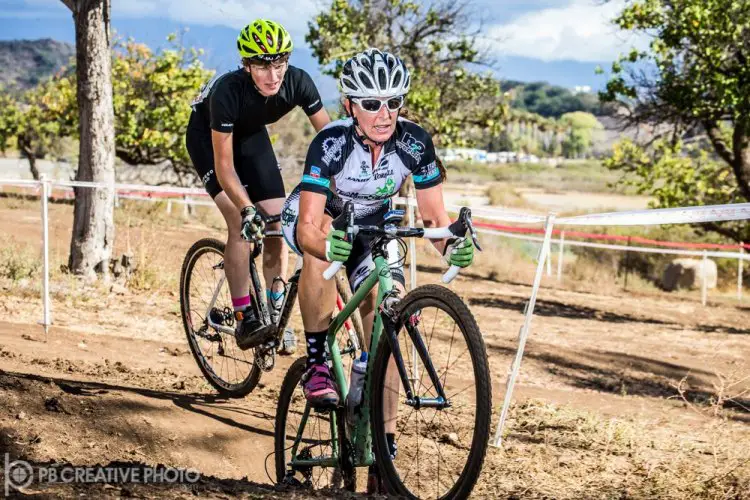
(598, 409)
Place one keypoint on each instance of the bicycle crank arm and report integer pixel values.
(224, 329)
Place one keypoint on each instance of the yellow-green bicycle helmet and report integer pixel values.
(265, 40)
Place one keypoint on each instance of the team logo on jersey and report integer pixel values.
(204, 91)
(409, 145)
(288, 217)
(364, 170)
(332, 147)
(387, 190)
(380, 174)
(315, 172)
(431, 170)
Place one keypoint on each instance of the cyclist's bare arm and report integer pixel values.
(432, 208)
(320, 119)
(225, 173)
(310, 231)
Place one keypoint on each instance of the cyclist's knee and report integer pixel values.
(234, 237)
(314, 265)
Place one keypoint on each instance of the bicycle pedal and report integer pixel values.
(289, 482)
(325, 408)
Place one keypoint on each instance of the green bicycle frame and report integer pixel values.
(362, 439)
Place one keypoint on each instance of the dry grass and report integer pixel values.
(503, 195)
(586, 176)
(510, 260)
(553, 451)
(19, 261)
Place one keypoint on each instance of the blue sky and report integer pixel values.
(560, 41)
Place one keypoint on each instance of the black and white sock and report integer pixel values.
(316, 347)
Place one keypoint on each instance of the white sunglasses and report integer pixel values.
(373, 105)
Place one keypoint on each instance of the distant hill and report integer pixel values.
(548, 100)
(27, 62)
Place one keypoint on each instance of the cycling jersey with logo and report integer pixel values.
(339, 161)
(339, 165)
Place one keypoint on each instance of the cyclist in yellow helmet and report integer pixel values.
(231, 151)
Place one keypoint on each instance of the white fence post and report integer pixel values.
(549, 258)
(413, 281)
(704, 285)
(45, 252)
(739, 271)
(561, 256)
(412, 246)
(525, 328)
(169, 206)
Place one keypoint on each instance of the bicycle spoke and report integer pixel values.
(450, 348)
(440, 454)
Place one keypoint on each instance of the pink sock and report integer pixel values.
(241, 303)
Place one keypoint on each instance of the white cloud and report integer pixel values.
(232, 13)
(579, 31)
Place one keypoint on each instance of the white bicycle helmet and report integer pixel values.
(373, 73)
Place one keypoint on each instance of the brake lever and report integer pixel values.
(473, 232)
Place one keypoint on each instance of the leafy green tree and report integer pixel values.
(548, 100)
(152, 95)
(583, 129)
(38, 120)
(678, 174)
(9, 119)
(446, 97)
(694, 81)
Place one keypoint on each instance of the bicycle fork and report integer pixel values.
(391, 332)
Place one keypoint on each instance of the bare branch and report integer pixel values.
(720, 146)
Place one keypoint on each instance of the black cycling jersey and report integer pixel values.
(231, 103)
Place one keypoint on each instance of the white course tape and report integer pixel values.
(681, 215)
(500, 215)
(132, 187)
(624, 248)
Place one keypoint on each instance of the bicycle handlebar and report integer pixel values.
(457, 229)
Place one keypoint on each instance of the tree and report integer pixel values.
(38, 120)
(676, 172)
(93, 224)
(449, 99)
(583, 129)
(152, 95)
(694, 80)
(9, 119)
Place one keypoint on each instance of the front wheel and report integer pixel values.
(440, 452)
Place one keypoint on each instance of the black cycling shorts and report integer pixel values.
(254, 162)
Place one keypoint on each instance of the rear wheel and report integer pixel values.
(440, 452)
(229, 369)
